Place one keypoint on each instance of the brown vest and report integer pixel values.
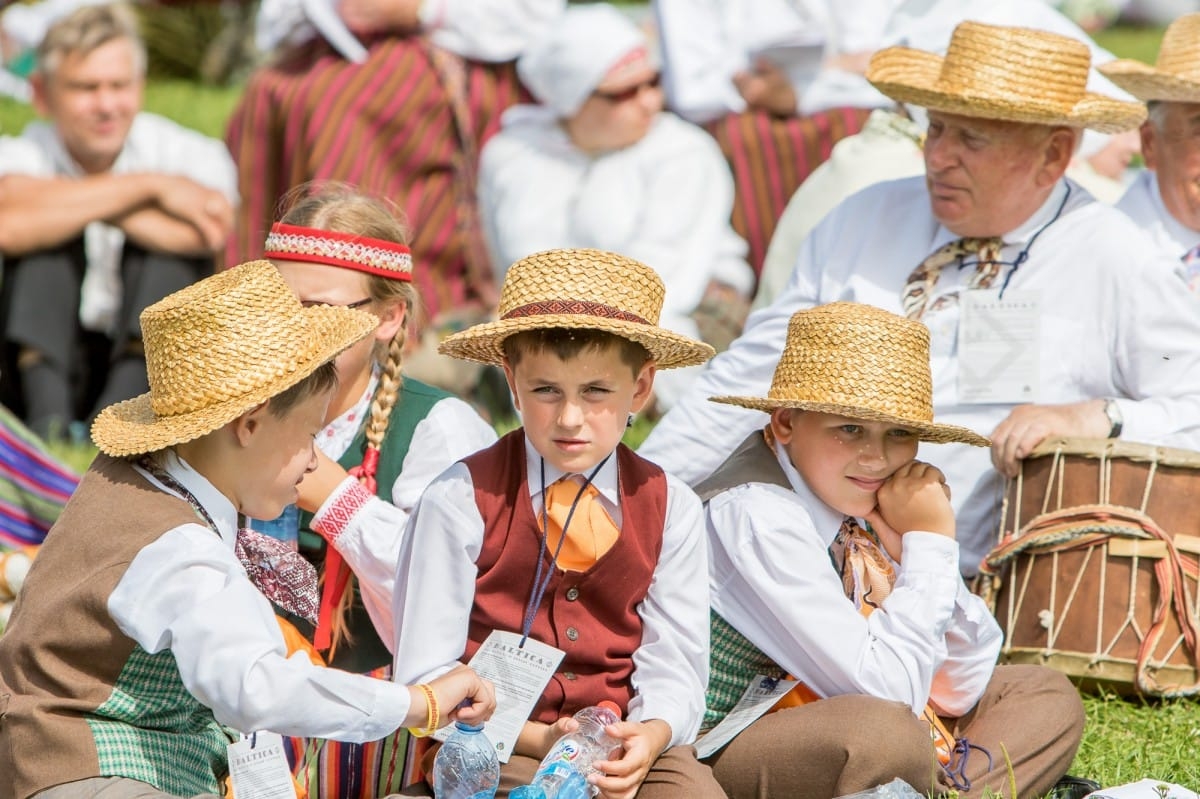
(62, 653)
(590, 615)
(752, 462)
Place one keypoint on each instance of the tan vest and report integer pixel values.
(62, 653)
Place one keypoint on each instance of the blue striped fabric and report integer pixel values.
(34, 485)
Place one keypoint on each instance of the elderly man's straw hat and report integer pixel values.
(1003, 73)
(1175, 76)
(862, 362)
(217, 349)
(578, 289)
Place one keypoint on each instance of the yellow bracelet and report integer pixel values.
(433, 717)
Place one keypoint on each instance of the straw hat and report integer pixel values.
(1005, 73)
(218, 348)
(579, 289)
(1175, 76)
(858, 361)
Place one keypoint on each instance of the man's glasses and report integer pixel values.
(633, 91)
(317, 303)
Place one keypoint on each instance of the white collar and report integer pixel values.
(826, 520)
(216, 504)
(1175, 229)
(605, 481)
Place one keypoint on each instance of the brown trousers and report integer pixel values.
(677, 774)
(852, 743)
(108, 788)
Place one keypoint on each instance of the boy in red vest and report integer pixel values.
(558, 549)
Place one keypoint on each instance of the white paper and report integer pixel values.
(1145, 789)
(324, 17)
(520, 674)
(998, 353)
(258, 768)
(760, 696)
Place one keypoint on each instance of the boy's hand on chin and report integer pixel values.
(916, 497)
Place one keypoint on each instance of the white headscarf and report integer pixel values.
(567, 64)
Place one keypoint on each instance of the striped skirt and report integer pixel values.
(406, 125)
(770, 157)
(34, 485)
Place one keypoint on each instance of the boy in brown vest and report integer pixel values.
(561, 535)
(142, 632)
(888, 645)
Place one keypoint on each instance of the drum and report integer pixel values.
(1096, 572)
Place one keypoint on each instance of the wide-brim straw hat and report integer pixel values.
(579, 289)
(1003, 73)
(1175, 76)
(862, 362)
(217, 349)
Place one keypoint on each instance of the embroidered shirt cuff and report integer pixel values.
(339, 508)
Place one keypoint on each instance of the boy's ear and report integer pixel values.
(512, 383)
(37, 83)
(781, 425)
(246, 425)
(643, 385)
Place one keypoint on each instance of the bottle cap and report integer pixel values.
(465, 727)
(608, 704)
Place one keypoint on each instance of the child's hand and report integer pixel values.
(536, 738)
(643, 743)
(459, 684)
(916, 497)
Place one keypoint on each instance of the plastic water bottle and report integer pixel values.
(466, 766)
(564, 771)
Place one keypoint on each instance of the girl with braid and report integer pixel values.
(386, 437)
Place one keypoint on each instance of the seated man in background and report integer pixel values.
(104, 209)
(1165, 198)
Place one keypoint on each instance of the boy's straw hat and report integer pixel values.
(1175, 76)
(858, 361)
(218, 348)
(578, 289)
(1004, 73)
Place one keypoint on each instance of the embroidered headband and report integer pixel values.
(373, 256)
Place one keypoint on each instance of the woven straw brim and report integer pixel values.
(1148, 83)
(484, 343)
(132, 427)
(926, 431)
(912, 76)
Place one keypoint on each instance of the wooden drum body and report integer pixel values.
(1096, 574)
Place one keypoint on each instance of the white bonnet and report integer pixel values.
(565, 66)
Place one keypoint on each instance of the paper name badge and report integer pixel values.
(998, 347)
(258, 768)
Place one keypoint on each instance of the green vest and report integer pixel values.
(366, 652)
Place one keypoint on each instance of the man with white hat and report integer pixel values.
(1050, 314)
(1165, 199)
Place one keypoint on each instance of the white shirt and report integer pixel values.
(1115, 321)
(154, 144)
(772, 580)
(433, 603)
(187, 592)
(706, 42)
(1143, 203)
(369, 538)
(483, 30)
(666, 201)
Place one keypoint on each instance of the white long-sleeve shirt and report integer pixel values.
(1115, 321)
(188, 592)
(665, 201)
(1142, 202)
(367, 530)
(772, 580)
(433, 606)
(706, 42)
(483, 30)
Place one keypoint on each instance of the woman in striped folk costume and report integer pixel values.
(386, 437)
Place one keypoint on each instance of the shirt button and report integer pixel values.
(572, 594)
(569, 675)
(572, 634)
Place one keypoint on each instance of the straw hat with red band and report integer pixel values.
(579, 289)
(373, 256)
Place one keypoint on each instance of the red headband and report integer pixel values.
(374, 256)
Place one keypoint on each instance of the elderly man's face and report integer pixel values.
(1171, 147)
(986, 177)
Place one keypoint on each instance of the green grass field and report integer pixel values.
(1124, 740)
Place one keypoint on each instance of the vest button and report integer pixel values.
(568, 675)
(572, 594)
(572, 634)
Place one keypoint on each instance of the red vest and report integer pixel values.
(591, 615)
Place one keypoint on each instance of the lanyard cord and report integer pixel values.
(540, 583)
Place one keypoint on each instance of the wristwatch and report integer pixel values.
(1113, 411)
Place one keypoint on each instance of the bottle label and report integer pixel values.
(566, 749)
